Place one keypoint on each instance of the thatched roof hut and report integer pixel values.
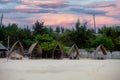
(57, 52)
(2, 51)
(73, 52)
(2, 48)
(100, 52)
(101, 48)
(16, 49)
(35, 51)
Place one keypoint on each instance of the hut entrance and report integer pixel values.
(17, 50)
(73, 52)
(57, 52)
(47, 54)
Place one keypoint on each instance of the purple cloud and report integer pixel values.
(54, 6)
(27, 11)
(9, 1)
(88, 11)
(99, 5)
(46, 4)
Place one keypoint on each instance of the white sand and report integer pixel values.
(82, 69)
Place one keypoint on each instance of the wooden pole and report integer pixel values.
(94, 23)
(8, 47)
(1, 20)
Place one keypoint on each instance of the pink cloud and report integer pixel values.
(55, 19)
(65, 20)
(69, 20)
(21, 7)
(44, 3)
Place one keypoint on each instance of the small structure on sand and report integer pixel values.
(74, 52)
(16, 51)
(3, 50)
(15, 55)
(35, 51)
(57, 52)
(100, 52)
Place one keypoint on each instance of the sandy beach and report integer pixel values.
(83, 69)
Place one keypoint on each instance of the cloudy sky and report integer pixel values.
(60, 12)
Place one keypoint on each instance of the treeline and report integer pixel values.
(47, 37)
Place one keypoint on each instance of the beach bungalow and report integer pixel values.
(3, 51)
(16, 51)
(35, 51)
(73, 52)
(57, 52)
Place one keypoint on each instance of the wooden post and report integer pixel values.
(8, 48)
(94, 23)
(1, 20)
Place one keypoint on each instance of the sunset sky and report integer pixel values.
(60, 12)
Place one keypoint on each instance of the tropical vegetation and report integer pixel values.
(80, 34)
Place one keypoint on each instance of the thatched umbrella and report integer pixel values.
(74, 54)
(100, 48)
(57, 52)
(16, 49)
(35, 50)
